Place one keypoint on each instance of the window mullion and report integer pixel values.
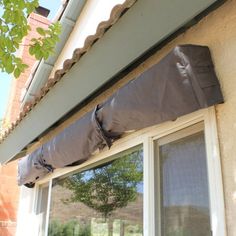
(149, 188)
(158, 197)
(214, 175)
(48, 207)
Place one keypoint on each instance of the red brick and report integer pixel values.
(8, 229)
(13, 110)
(9, 191)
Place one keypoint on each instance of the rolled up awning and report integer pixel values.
(182, 82)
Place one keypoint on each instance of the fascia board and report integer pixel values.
(145, 24)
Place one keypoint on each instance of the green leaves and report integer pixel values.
(14, 27)
(41, 31)
(17, 72)
(42, 47)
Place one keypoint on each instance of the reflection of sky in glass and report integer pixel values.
(184, 172)
(140, 188)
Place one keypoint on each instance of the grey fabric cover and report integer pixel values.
(31, 168)
(182, 82)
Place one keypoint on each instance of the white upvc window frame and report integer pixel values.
(147, 137)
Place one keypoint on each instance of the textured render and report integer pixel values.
(218, 32)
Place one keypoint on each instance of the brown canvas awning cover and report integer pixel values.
(182, 82)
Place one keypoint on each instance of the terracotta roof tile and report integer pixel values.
(116, 13)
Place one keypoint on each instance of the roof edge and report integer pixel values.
(116, 13)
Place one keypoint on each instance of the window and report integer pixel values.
(183, 183)
(104, 200)
(161, 181)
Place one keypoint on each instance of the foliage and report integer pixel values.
(70, 228)
(13, 28)
(43, 46)
(109, 187)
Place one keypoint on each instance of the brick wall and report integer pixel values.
(9, 197)
(9, 191)
(19, 84)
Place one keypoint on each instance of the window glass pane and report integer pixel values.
(103, 201)
(184, 187)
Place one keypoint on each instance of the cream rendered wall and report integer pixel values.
(94, 12)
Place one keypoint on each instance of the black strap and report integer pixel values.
(102, 132)
(43, 163)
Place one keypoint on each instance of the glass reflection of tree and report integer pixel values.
(109, 187)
